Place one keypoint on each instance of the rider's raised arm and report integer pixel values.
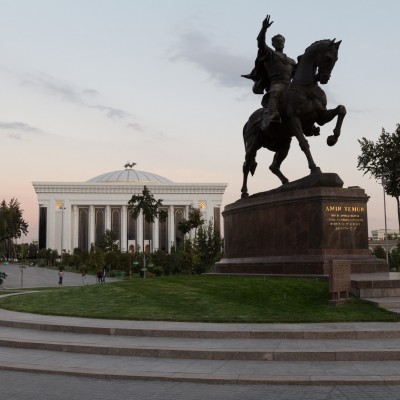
(262, 45)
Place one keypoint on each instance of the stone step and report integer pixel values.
(315, 353)
(344, 353)
(344, 331)
(202, 371)
(204, 348)
(390, 303)
(376, 285)
(377, 292)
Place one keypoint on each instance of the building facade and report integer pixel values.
(380, 234)
(77, 214)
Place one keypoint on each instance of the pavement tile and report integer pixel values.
(297, 354)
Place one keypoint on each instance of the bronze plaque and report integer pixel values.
(345, 216)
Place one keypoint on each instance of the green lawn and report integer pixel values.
(200, 298)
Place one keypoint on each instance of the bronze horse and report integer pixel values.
(304, 104)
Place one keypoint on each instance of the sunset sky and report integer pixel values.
(87, 85)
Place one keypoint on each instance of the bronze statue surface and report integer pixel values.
(298, 102)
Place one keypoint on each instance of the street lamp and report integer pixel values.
(145, 259)
(383, 175)
(144, 269)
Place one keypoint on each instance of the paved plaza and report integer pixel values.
(28, 386)
(49, 357)
(31, 277)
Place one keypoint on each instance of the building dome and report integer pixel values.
(129, 175)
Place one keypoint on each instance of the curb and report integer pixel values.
(240, 379)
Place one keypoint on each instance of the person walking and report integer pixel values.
(60, 277)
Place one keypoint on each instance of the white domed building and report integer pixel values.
(76, 214)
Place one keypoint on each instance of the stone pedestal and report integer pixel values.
(298, 229)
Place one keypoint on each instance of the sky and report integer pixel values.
(87, 85)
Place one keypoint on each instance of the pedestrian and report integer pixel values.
(60, 277)
(84, 282)
(99, 276)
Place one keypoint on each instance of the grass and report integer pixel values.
(200, 298)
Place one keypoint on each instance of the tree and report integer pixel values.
(383, 157)
(79, 257)
(394, 258)
(33, 249)
(12, 224)
(147, 204)
(208, 244)
(379, 252)
(108, 242)
(22, 250)
(3, 276)
(96, 259)
(112, 258)
(49, 255)
(195, 219)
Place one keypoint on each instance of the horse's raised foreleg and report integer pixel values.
(331, 140)
(279, 156)
(327, 116)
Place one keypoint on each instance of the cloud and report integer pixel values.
(19, 130)
(90, 92)
(110, 112)
(135, 126)
(16, 136)
(67, 92)
(222, 67)
(162, 136)
(19, 126)
(53, 87)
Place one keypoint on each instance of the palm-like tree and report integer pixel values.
(12, 224)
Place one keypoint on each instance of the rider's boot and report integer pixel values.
(265, 119)
(274, 115)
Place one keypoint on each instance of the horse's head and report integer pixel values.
(326, 59)
(317, 62)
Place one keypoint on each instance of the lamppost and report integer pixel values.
(383, 175)
(144, 269)
(145, 259)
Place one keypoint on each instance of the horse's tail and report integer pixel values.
(252, 127)
(244, 135)
(252, 130)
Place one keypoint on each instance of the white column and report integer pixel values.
(75, 227)
(63, 228)
(108, 218)
(124, 228)
(51, 226)
(210, 211)
(156, 234)
(140, 231)
(171, 228)
(186, 216)
(91, 226)
(67, 226)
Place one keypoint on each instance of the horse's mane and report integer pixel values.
(312, 45)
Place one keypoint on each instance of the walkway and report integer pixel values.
(313, 354)
(31, 277)
(28, 386)
(71, 357)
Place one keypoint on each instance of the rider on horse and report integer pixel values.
(272, 73)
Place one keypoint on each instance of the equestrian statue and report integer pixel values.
(292, 104)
